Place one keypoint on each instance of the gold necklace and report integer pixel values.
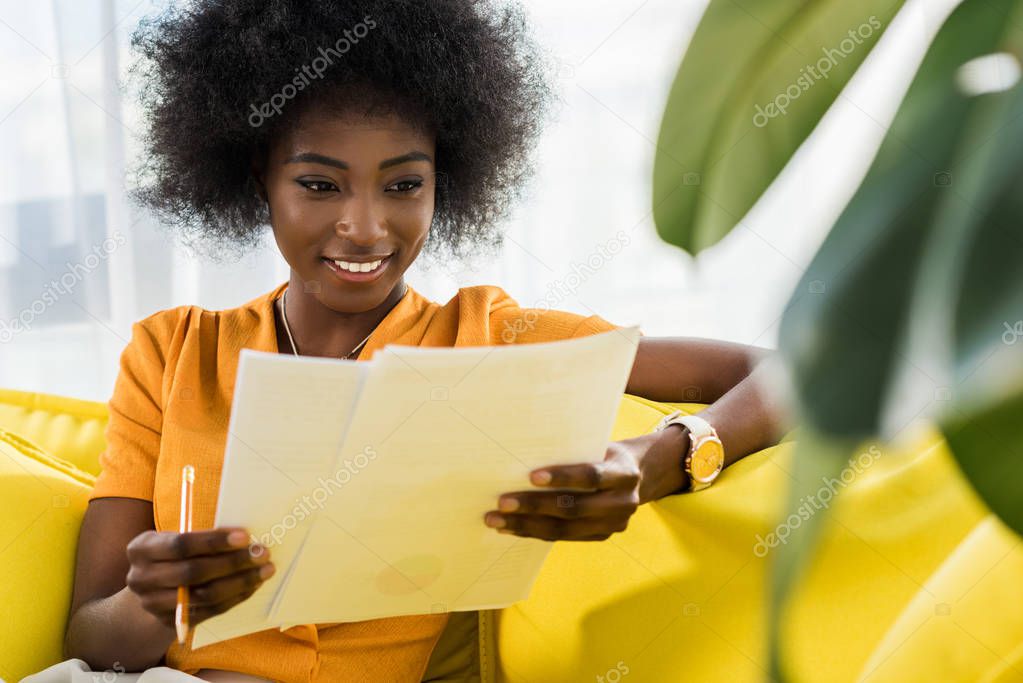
(294, 348)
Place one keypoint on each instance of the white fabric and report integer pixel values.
(77, 671)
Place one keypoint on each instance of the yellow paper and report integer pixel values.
(429, 437)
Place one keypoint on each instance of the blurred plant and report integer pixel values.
(916, 296)
(757, 77)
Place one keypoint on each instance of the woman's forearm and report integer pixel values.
(727, 376)
(117, 633)
(682, 369)
(748, 418)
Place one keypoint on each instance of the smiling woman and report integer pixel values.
(351, 202)
(415, 139)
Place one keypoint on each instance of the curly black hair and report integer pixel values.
(221, 78)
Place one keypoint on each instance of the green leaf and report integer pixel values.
(927, 260)
(987, 317)
(844, 330)
(988, 445)
(984, 422)
(817, 465)
(724, 137)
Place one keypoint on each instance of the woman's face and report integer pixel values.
(351, 201)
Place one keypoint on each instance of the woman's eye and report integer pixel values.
(317, 185)
(404, 186)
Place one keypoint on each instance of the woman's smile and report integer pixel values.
(358, 270)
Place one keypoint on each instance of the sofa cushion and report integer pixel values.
(44, 499)
(965, 620)
(70, 427)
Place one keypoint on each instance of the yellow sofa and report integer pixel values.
(914, 579)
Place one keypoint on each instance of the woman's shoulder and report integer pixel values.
(485, 297)
(170, 328)
(169, 323)
(510, 322)
(494, 299)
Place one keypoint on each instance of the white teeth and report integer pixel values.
(359, 267)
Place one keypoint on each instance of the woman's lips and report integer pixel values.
(350, 276)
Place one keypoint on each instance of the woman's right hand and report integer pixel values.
(219, 566)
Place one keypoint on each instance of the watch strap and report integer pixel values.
(696, 424)
(698, 429)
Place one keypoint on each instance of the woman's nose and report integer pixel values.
(360, 224)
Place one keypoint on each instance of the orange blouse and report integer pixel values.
(172, 403)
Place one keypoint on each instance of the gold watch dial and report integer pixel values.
(708, 459)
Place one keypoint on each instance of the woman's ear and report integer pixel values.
(259, 178)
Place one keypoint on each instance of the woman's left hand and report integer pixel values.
(632, 473)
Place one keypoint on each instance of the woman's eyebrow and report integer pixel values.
(411, 156)
(314, 158)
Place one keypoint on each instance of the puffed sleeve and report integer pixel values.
(128, 465)
(514, 325)
(594, 324)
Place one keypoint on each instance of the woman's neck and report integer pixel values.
(322, 331)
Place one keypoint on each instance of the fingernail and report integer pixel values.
(266, 571)
(542, 477)
(496, 521)
(258, 552)
(508, 504)
(238, 538)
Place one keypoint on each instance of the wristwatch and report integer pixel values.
(706, 456)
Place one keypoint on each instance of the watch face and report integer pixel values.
(707, 461)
